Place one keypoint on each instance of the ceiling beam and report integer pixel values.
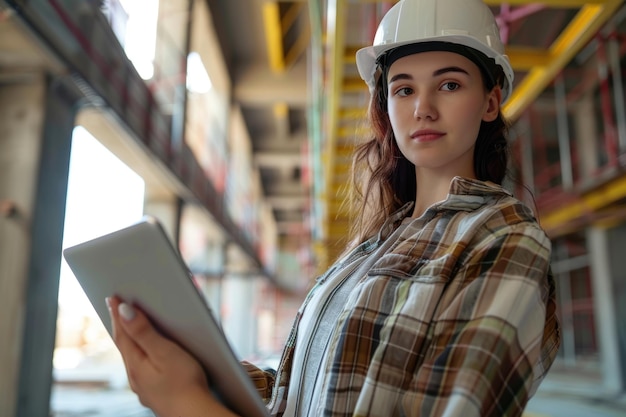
(272, 143)
(524, 59)
(256, 85)
(274, 36)
(574, 37)
(587, 204)
(278, 159)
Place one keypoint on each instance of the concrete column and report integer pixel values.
(238, 303)
(21, 124)
(37, 123)
(208, 266)
(239, 321)
(167, 210)
(604, 306)
(204, 250)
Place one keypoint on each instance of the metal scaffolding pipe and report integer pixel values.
(613, 56)
(610, 131)
(568, 345)
(565, 153)
(526, 145)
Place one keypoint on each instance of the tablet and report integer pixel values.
(141, 266)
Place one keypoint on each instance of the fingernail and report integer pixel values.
(126, 311)
(108, 301)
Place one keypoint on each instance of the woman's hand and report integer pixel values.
(166, 378)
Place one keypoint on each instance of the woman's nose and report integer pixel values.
(425, 108)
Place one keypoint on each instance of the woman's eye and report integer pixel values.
(403, 92)
(450, 86)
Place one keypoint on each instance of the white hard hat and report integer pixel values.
(469, 23)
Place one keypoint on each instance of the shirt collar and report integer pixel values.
(465, 194)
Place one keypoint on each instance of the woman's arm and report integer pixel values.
(166, 378)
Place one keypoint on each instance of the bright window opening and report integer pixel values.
(198, 80)
(103, 195)
(141, 34)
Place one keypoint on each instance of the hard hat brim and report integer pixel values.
(366, 58)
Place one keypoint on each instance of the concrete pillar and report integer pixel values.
(238, 303)
(21, 123)
(167, 209)
(203, 248)
(208, 267)
(36, 120)
(601, 253)
(239, 321)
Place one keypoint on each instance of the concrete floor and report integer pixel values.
(101, 391)
(74, 401)
(564, 394)
(91, 402)
(573, 406)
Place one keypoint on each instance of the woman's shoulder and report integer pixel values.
(513, 210)
(507, 213)
(494, 201)
(509, 221)
(499, 213)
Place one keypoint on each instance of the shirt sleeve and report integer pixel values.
(262, 380)
(491, 342)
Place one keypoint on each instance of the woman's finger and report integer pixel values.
(142, 333)
(131, 353)
(126, 345)
(121, 339)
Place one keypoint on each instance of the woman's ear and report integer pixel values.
(494, 98)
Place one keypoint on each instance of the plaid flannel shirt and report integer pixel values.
(457, 318)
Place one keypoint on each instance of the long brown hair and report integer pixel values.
(383, 180)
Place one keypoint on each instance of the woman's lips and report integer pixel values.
(426, 135)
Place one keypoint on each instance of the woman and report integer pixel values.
(444, 306)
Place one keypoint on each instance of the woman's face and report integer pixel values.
(436, 102)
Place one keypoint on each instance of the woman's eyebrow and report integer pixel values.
(441, 71)
(401, 76)
(449, 69)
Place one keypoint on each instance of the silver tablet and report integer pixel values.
(142, 267)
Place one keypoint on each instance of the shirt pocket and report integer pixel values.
(392, 317)
(402, 289)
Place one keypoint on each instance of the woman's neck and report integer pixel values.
(432, 187)
(428, 193)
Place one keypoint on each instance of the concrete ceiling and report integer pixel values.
(267, 51)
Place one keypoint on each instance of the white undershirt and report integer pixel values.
(312, 337)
